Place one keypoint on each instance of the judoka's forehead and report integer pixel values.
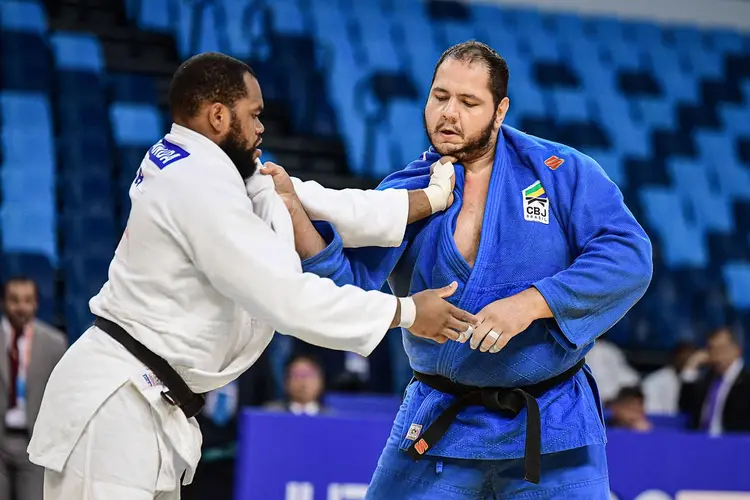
(464, 77)
(254, 95)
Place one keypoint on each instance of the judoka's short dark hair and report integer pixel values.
(19, 279)
(473, 51)
(207, 77)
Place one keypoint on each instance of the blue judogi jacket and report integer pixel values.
(560, 227)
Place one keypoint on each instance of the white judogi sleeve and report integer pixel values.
(363, 218)
(245, 261)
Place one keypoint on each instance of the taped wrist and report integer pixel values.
(408, 312)
(439, 189)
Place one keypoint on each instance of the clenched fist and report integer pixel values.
(283, 185)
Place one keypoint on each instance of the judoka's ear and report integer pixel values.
(501, 111)
(220, 118)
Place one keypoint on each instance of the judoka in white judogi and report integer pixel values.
(205, 273)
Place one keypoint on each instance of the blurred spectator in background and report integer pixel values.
(304, 387)
(218, 421)
(611, 369)
(628, 411)
(349, 372)
(662, 387)
(32, 349)
(716, 387)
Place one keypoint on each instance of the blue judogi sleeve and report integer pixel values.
(613, 265)
(369, 268)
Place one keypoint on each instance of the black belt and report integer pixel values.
(179, 394)
(498, 399)
(12, 431)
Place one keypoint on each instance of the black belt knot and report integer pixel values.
(498, 399)
(178, 393)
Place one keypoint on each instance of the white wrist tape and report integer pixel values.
(439, 189)
(408, 312)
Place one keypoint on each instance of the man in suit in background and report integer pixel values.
(32, 348)
(717, 399)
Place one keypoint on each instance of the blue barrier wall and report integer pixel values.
(287, 457)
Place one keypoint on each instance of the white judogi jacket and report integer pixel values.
(204, 274)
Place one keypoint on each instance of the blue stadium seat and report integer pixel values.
(241, 19)
(628, 137)
(183, 28)
(209, 33)
(606, 29)
(21, 185)
(135, 124)
(451, 33)
(656, 112)
(725, 42)
(707, 64)
(287, 17)
(23, 16)
(612, 164)
(646, 35)
(717, 153)
(623, 54)
(736, 119)
(745, 89)
(375, 31)
(687, 39)
(540, 44)
(418, 39)
(668, 71)
(407, 131)
(23, 51)
(737, 278)
(526, 99)
(27, 131)
(153, 15)
(568, 26)
(683, 244)
(584, 55)
(570, 105)
(29, 228)
(77, 52)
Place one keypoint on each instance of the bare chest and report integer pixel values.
(469, 223)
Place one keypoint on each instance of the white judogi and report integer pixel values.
(202, 279)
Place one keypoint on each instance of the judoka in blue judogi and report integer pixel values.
(554, 226)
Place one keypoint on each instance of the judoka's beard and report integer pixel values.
(242, 155)
(475, 146)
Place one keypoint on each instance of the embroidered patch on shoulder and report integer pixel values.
(414, 431)
(164, 153)
(535, 204)
(554, 162)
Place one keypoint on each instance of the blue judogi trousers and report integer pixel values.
(577, 474)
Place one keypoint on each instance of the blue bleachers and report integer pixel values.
(135, 124)
(77, 52)
(28, 174)
(629, 85)
(23, 16)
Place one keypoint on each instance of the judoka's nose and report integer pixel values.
(450, 111)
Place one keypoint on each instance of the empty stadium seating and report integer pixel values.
(664, 109)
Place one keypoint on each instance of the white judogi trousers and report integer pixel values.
(117, 457)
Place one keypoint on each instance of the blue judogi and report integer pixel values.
(560, 227)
